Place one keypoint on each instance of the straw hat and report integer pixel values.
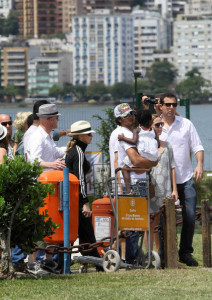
(3, 132)
(80, 127)
(48, 110)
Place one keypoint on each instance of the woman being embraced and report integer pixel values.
(78, 165)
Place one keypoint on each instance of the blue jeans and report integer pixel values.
(188, 200)
(132, 247)
(18, 256)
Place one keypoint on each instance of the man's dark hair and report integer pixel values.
(36, 107)
(167, 95)
(30, 120)
(144, 118)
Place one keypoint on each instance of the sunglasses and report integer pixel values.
(157, 125)
(89, 134)
(170, 104)
(6, 123)
(131, 113)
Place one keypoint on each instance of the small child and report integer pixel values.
(145, 139)
(21, 126)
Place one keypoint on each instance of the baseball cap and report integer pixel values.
(122, 110)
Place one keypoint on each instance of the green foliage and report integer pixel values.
(19, 184)
(96, 89)
(194, 86)
(137, 2)
(161, 74)
(122, 90)
(55, 91)
(10, 24)
(204, 189)
(107, 125)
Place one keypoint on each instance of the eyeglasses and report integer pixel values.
(170, 104)
(157, 125)
(131, 113)
(6, 123)
(89, 134)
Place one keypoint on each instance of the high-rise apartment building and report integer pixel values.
(39, 17)
(115, 5)
(168, 8)
(5, 7)
(193, 45)
(198, 7)
(14, 66)
(150, 35)
(71, 8)
(103, 48)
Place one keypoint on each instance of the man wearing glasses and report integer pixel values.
(6, 121)
(182, 135)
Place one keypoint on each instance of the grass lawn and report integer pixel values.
(189, 283)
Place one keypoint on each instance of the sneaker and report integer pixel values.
(34, 268)
(188, 260)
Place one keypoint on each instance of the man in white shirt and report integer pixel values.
(125, 117)
(40, 144)
(183, 137)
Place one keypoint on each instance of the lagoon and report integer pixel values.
(200, 115)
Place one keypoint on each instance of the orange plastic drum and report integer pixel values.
(102, 218)
(53, 204)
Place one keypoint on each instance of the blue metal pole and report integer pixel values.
(66, 226)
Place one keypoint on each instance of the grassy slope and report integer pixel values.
(190, 283)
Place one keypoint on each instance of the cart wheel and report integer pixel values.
(83, 269)
(111, 261)
(155, 260)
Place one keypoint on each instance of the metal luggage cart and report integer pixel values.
(131, 213)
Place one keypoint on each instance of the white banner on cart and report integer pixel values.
(102, 227)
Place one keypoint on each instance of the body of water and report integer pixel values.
(199, 115)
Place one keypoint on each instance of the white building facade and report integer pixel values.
(193, 45)
(103, 48)
(150, 35)
(5, 7)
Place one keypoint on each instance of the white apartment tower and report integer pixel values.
(103, 48)
(150, 35)
(193, 45)
(5, 7)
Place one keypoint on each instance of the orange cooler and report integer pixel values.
(102, 218)
(54, 205)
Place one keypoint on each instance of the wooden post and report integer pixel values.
(170, 234)
(206, 234)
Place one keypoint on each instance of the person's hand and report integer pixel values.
(86, 210)
(175, 195)
(121, 137)
(157, 107)
(58, 164)
(145, 106)
(198, 173)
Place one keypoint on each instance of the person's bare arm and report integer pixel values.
(174, 185)
(198, 172)
(15, 146)
(57, 164)
(133, 140)
(139, 161)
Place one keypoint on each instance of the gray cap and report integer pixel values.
(48, 110)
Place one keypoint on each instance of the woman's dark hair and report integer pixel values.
(144, 118)
(30, 120)
(4, 143)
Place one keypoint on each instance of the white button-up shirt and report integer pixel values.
(40, 145)
(183, 138)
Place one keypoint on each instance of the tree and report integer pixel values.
(21, 194)
(107, 125)
(96, 89)
(11, 24)
(122, 90)
(56, 91)
(161, 75)
(137, 3)
(194, 86)
(11, 91)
